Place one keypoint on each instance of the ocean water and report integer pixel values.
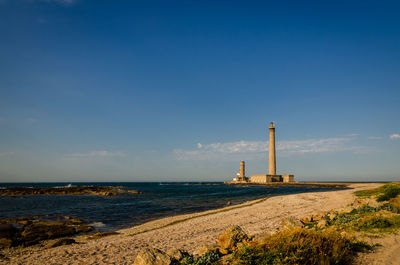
(124, 210)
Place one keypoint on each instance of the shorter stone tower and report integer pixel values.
(242, 174)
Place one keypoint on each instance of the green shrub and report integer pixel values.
(208, 258)
(379, 223)
(364, 209)
(369, 209)
(301, 246)
(377, 191)
(390, 207)
(375, 222)
(389, 192)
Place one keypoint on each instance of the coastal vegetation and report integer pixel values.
(383, 193)
(332, 238)
(301, 246)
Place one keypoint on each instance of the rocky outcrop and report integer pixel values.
(205, 249)
(26, 232)
(79, 190)
(38, 231)
(229, 240)
(63, 242)
(152, 256)
(178, 254)
(291, 222)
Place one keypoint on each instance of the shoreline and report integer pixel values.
(111, 191)
(188, 231)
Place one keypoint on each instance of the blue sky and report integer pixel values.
(183, 90)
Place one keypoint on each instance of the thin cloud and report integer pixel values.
(6, 153)
(395, 136)
(258, 148)
(102, 153)
(353, 134)
(375, 137)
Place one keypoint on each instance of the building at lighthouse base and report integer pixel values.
(272, 178)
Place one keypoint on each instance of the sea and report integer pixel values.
(156, 200)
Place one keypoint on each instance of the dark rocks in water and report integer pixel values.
(83, 228)
(7, 230)
(26, 232)
(63, 242)
(79, 190)
(7, 235)
(6, 243)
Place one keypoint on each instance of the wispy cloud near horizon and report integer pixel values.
(256, 149)
(6, 153)
(395, 136)
(102, 153)
(375, 138)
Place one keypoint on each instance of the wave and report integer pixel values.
(97, 224)
(66, 186)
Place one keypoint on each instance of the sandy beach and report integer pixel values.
(189, 232)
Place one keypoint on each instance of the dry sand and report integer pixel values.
(189, 232)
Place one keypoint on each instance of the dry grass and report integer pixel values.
(301, 246)
(395, 202)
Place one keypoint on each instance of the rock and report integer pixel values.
(203, 250)
(178, 254)
(7, 231)
(38, 231)
(316, 218)
(63, 242)
(103, 234)
(29, 231)
(83, 229)
(5, 243)
(332, 215)
(74, 221)
(322, 223)
(229, 239)
(2, 257)
(78, 190)
(291, 222)
(8, 234)
(152, 256)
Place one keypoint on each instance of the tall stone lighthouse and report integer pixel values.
(271, 176)
(272, 161)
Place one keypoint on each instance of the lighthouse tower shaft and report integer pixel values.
(241, 170)
(272, 161)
